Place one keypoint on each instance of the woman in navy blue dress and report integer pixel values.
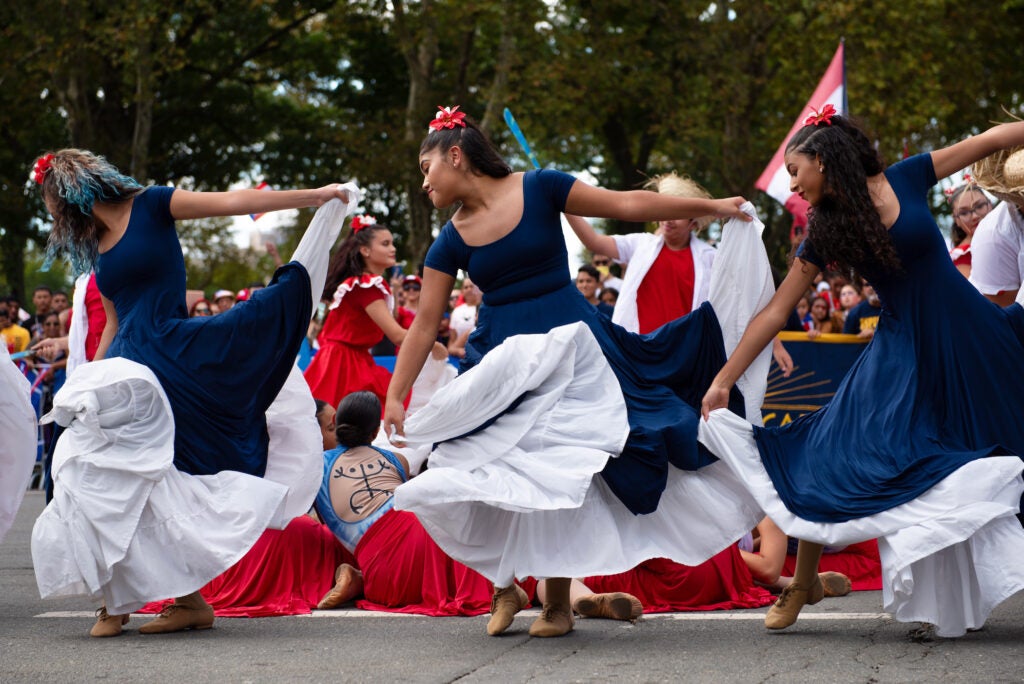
(220, 374)
(895, 454)
(506, 234)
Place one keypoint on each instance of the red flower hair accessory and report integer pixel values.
(824, 116)
(448, 117)
(40, 168)
(362, 221)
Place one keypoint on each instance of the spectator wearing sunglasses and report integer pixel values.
(200, 309)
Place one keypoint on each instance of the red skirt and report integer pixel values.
(286, 572)
(722, 582)
(338, 370)
(859, 562)
(404, 571)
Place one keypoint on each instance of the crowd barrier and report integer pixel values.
(819, 366)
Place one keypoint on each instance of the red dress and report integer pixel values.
(723, 582)
(286, 572)
(404, 571)
(344, 364)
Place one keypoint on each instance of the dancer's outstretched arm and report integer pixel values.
(762, 329)
(960, 155)
(591, 239)
(644, 205)
(186, 204)
(420, 338)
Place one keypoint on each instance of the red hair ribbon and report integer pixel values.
(448, 117)
(824, 116)
(40, 168)
(362, 221)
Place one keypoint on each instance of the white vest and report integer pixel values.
(640, 250)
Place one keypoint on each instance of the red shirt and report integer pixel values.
(666, 292)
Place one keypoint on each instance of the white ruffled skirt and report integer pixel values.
(523, 497)
(948, 557)
(18, 443)
(125, 526)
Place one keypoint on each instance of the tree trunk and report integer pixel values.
(421, 51)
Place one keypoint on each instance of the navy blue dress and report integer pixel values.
(220, 374)
(938, 385)
(527, 288)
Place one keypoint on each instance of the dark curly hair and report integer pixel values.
(844, 228)
(358, 419)
(483, 156)
(348, 261)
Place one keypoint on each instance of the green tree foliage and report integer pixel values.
(204, 93)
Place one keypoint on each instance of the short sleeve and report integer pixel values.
(997, 250)
(555, 185)
(448, 253)
(918, 172)
(159, 199)
(364, 296)
(629, 244)
(806, 252)
(851, 326)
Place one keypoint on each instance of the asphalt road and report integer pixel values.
(840, 640)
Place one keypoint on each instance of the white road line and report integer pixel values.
(694, 616)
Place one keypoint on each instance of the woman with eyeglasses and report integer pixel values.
(969, 205)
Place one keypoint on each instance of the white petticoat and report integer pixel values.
(948, 557)
(523, 496)
(125, 525)
(18, 439)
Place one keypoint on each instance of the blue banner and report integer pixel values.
(819, 366)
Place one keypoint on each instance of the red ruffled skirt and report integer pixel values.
(859, 562)
(722, 582)
(286, 572)
(404, 571)
(338, 370)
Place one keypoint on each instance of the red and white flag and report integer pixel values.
(775, 180)
(264, 185)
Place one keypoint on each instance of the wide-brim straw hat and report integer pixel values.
(1002, 174)
(674, 185)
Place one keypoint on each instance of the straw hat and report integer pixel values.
(680, 186)
(1002, 174)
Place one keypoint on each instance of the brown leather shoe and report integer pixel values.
(794, 597)
(554, 621)
(107, 625)
(835, 583)
(614, 606)
(348, 583)
(504, 605)
(180, 616)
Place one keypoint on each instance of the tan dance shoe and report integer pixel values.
(554, 621)
(107, 625)
(835, 583)
(614, 606)
(187, 612)
(504, 605)
(794, 597)
(348, 583)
